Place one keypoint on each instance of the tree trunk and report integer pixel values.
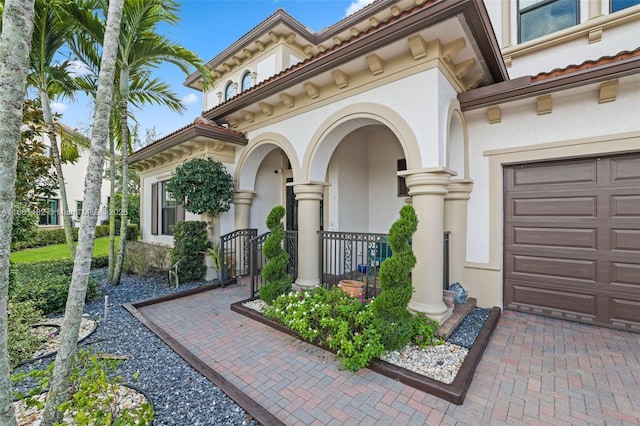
(57, 163)
(124, 99)
(112, 209)
(59, 385)
(17, 26)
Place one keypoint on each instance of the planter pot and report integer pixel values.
(352, 287)
(447, 297)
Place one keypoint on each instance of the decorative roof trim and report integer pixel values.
(607, 68)
(200, 127)
(407, 23)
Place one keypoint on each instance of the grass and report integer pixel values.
(58, 251)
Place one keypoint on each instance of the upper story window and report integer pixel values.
(246, 81)
(228, 91)
(540, 17)
(617, 5)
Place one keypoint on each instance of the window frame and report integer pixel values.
(52, 212)
(246, 77)
(79, 205)
(611, 10)
(540, 5)
(228, 86)
(166, 228)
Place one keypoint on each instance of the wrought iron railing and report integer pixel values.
(258, 260)
(358, 256)
(235, 252)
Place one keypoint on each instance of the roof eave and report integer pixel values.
(439, 11)
(523, 87)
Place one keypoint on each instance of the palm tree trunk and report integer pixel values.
(124, 99)
(112, 209)
(57, 163)
(17, 26)
(58, 387)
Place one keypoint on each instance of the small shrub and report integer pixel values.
(93, 397)
(142, 258)
(20, 341)
(47, 284)
(424, 331)
(133, 232)
(332, 318)
(25, 222)
(277, 281)
(392, 318)
(190, 244)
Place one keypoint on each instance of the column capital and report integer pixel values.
(308, 190)
(243, 197)
(459, 189)
(427, 181)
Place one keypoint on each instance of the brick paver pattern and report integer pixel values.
(535, 370)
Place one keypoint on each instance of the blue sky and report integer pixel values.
(208, 27)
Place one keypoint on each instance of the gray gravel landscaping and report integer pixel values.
(180, 394)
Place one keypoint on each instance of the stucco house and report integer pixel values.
(74, 175)
(513, 125)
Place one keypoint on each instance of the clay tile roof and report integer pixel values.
(319, 55)
(200, 127)
(586, 64)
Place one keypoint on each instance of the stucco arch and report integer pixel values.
(457, 148)
(254, 153)
(331, 132)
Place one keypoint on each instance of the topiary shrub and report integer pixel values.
(393, 320)
(189, 245)
(277, 281)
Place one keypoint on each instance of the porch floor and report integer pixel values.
(535, 370)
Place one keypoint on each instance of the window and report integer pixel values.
(617, 5)
(168, 211)
(228, 91)
(164, 210)
(540, 17)
(246, 81)
(403, 191)
(79, 209)
(49, 214)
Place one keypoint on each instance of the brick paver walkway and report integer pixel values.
(535, 370)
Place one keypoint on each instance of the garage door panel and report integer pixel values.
(555, 207)
(555, 237)
(625, 312)
(548, 301)
(574, 269)
(580, 173)
(572, 240)
(625, 170)
(625, 206)
(627, 240)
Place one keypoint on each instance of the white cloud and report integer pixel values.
(356, 5)
(189, 99)
(77, 69)
(58, 107)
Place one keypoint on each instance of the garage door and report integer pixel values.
(572, 240)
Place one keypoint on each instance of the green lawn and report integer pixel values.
(58, 251)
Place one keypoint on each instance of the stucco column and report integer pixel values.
(506, 24)
(455, 220)
(427, 188)
(308, 196)
(242, 207)
(595, 8)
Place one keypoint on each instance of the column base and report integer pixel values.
(302, 284)
(438, 313)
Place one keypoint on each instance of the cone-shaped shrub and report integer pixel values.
(277, 281)
(393, 320)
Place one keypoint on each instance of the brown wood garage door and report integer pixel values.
(572, 240)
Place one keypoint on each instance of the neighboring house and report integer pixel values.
(513, 125)
(74, 175)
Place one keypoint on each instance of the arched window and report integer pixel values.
(228, 91)
(246, 81)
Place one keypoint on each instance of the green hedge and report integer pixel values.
(47, 283)
(47, 237)
(190, 244)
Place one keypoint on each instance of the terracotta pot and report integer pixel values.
(352, 287)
